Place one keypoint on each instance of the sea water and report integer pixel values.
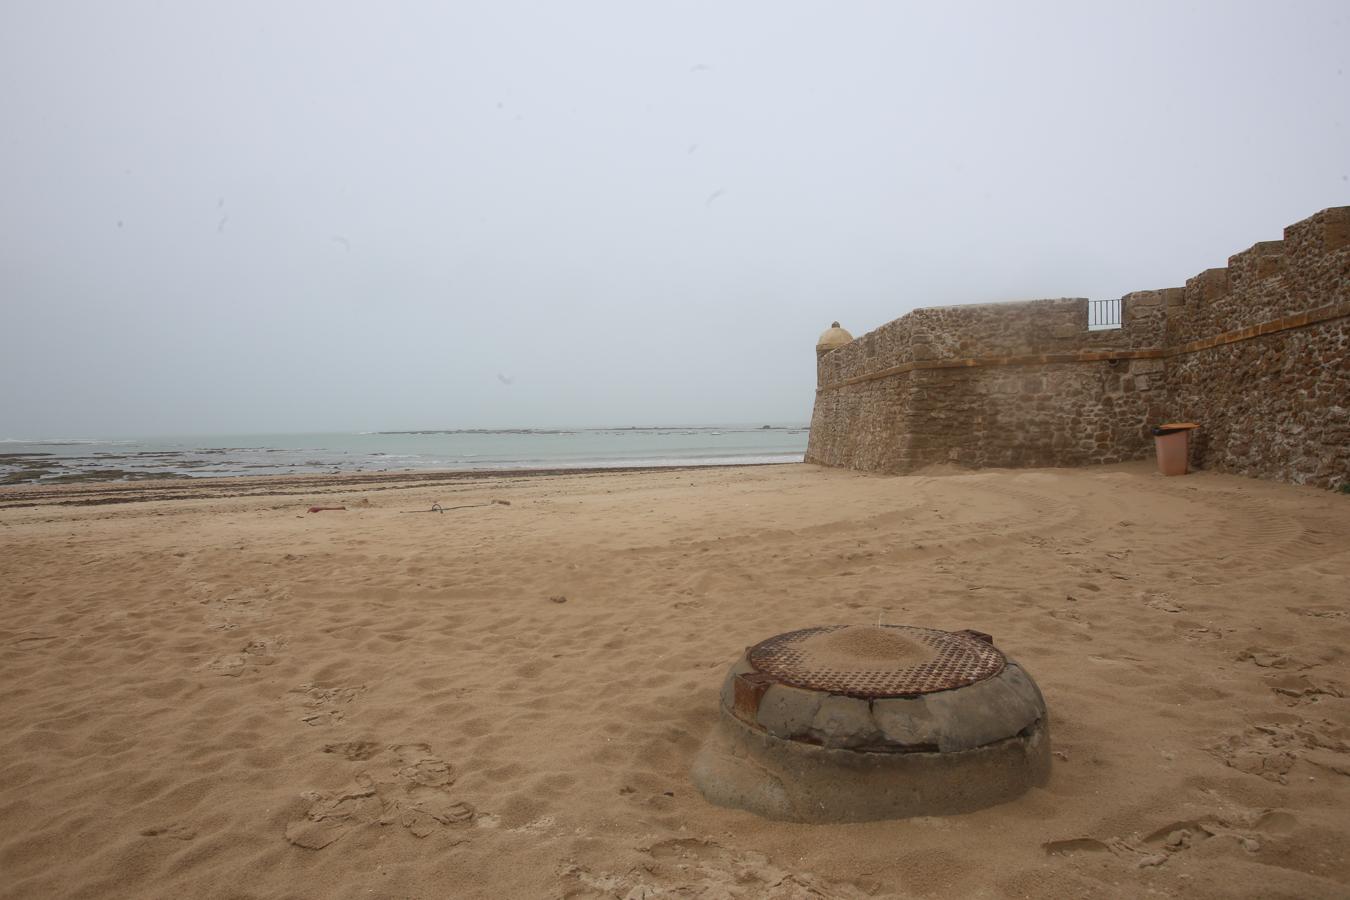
(55, 461)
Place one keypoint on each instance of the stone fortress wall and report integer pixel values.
(1257, 353)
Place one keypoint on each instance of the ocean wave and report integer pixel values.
(62, 442)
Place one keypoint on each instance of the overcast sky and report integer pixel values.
(243, 217)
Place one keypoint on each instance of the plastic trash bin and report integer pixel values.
(1172, 441)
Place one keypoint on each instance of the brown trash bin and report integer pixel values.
(1172, 441)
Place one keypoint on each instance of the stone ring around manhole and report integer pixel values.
(852, 723)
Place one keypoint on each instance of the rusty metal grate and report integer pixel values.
(958, 659)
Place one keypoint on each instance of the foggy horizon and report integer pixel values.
(337, 218)
(412, 430)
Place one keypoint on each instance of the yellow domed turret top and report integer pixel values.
(833, 337)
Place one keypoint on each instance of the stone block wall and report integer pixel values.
(1261, 357)
(1256, 352)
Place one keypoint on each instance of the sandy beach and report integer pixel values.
(211, 692)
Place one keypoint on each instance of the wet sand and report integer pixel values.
(211, 692)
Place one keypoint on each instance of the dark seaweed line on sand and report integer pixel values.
(282, 485)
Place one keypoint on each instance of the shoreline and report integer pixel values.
(99, 493)
(273, 455)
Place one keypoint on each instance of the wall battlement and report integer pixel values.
(1257, 352)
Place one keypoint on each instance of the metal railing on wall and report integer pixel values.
(1103, 314)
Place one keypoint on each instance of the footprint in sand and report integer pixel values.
(1177, 836)
(1131, 853)
(330, 816)
(251, 656)
(175, 831)
(1269, 659)
(1074, 845)
(1205, 633)
(1160, 845)
(354, 750)
(405, 784)
(1069, 614)
(541, 825)
(703, 868)
(1320, 612)
(1300, 689)
(1161, 600)
(226, 608)
(1245, 830)
(323, 704)
(1271, 750)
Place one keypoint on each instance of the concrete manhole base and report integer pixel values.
(857, 723)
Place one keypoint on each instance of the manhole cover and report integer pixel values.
(875, 661)
(851, 723)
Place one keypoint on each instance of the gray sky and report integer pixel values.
(295, 216)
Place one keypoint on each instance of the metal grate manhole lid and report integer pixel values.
(951, 660)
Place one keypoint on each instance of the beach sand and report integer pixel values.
(210, 692)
